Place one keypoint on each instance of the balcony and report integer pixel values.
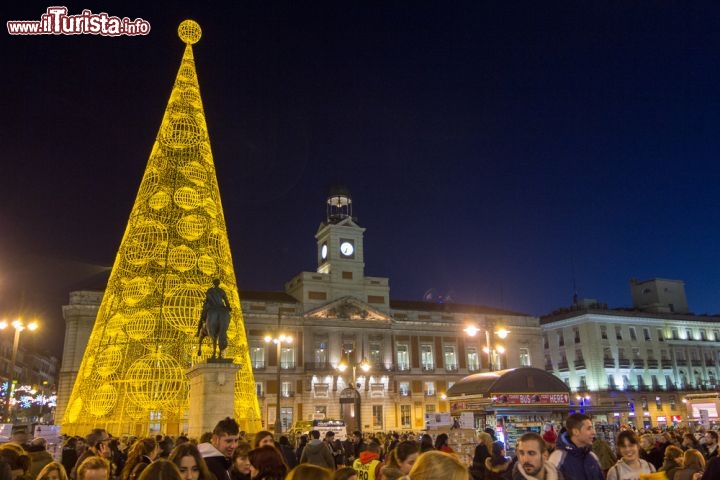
(428, 368)
(257, 364)
(608, 363)
(287, 394)
(563, 366)
(451, 368)
(665, 363)
(318, 366)
(624, 363)
(652, 363)
(579, 364)
(287, 365)
(403, 367)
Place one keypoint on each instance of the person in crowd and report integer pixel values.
(39, 455)
(240, 469)
(97, 445)
(605, 455)
(693, 463)
(532, 452)
(263, 438)
(712, 469)
(630, 465)
(117, 457)
(368, 464)
(69, 454)
(550, 437)
(219, 450)
(498, 466)
(482, 451)
(672, 461)
(17, 458)
(317, 453)
(442, 443)
(426, 443)
(400, 460)
(287, 452)
(334, 451)
(649, 451)
(301, 446)
(435, 465)
(711, 444)
(141, 454)
(266, 463)
(308, 471)
(689, 441)
(161, 469)
(339, 454)
(573, 456)
(190, 463)
(94, 468)
(345, 473)
(52, 471)
(394, 440)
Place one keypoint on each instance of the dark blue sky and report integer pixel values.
(499, 152)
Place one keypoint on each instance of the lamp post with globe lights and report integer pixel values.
(491, 351)
(279, 340)
(19, 327)
(355, 400)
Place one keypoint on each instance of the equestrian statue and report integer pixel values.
(214, 319)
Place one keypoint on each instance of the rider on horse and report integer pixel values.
(215, 318)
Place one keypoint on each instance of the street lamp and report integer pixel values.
(365, 367)
(19, 326)
(472, 330)
(278, 341)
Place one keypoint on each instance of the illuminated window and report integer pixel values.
(377, 417)
(403, 357)
(426, 357)
(450, 358)
(524, 357)
(405, 416)
(473, 360)
(429, 388)
(404, 389)
(257, 355)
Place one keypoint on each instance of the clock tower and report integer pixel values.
(340, 239)
(340, 272)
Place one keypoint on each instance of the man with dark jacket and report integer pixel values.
(219, 451)
(573, 456)
(317, 452)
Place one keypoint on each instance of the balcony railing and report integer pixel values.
(287, 365)
(609, 363)
(651, 363)
(579, 364)
(403, 367)
(258, 365)
(318, 366)
(451, 368)
(428, 368)
(563, 366)
(624, 363)
(666, 363)
(287, 394)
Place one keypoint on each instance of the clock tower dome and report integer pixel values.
(340, 238)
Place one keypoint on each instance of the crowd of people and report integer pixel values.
(576, 452)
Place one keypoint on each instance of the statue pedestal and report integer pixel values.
(212, 395)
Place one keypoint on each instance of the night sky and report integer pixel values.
(499, 153)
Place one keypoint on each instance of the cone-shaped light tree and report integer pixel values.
(132, 377)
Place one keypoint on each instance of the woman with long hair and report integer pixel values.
(426, 443)
(192, 466)
(482, 452)
(142, 453)
(263, 437)
(442, 443)
(52, 471)
(400, 460)
(161, 469)
(434, 465)
(240, 469)
(672, 461)
(693, 462)
(630, 465)
(497, 464)
(267, 463)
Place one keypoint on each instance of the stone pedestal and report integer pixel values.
(212, 395)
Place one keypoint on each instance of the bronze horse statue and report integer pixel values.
(214, 320)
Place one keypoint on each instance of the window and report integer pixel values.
(286, 418)
(321, 353)
(618, 332)
(576, 333)
(405, 416)
(633, 335)
(426, 357)
(661, 337)
(450, 358)
(671, 401)
(658, 402)
(643, 402)
(646, 334)
(603, 332)
(545, 341)
(259, 389)
(257, 354)
(429, 388)
(403, 357)
(429, 408)
(675, 334)
(703, 335)
(561, 339)
(375, 353)
(524, 357)
(287, 357)
(322, 390)
(473, 360)
(377, 417)
(404, 389)
(286, 389)
(689, 335)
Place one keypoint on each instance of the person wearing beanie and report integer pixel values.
(550, 437)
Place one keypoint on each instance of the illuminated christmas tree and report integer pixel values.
(132, 377)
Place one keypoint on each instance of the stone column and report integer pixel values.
(212, 395)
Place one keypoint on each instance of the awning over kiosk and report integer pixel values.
(519, 389)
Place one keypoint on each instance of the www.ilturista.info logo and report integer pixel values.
(57, 22)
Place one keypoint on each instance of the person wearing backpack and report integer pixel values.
(573, 454)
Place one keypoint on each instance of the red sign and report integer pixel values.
(532, 398)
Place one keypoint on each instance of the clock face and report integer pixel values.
(346, 248)
(323, 251)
